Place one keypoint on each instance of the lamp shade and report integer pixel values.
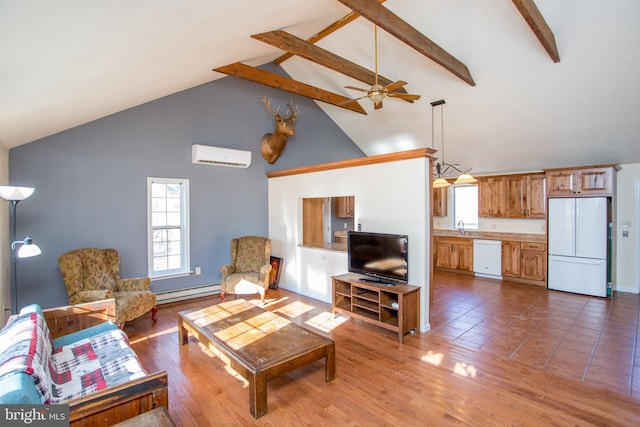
(27, 251)
(11, 193)
(440, 182)
(465, 178)
(28, 248)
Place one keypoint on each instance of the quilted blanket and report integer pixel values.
(91, 365)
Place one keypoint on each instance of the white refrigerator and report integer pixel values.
(578, 245)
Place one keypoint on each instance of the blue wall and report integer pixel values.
(91, 180)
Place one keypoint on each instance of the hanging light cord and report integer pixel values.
(442, 168)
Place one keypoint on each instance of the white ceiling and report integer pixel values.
(68, 62)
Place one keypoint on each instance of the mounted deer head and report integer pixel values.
(273, 144)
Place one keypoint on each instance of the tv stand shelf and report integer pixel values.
(374, 303)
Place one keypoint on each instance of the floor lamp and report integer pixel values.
(27, 248)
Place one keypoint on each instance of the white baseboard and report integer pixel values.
(187, 293)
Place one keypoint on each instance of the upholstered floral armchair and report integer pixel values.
(92, 274)
(250, 265)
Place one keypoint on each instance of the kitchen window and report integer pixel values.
(168, 227)
(465, 206)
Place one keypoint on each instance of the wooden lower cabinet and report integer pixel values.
(525, 262)
(510, 259)
(396, 308)
(453, 253)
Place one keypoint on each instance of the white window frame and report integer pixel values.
(184, 229)
(467, 225)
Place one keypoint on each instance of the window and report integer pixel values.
(465, 206)
(168, 226)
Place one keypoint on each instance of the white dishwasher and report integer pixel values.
(487, 258)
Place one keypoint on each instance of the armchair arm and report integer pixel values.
(264, 275)
(135, 284)
(228, 269)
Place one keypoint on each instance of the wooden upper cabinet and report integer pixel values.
(525, 196)
(440, 201)
(345, 206)
(491, 197)
(581, 182)
(515, 200)
(536, 200)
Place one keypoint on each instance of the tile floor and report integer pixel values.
(590, 339)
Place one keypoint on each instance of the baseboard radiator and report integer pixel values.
(187, 293)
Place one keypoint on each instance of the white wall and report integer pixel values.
(628, 218)
(389, 198)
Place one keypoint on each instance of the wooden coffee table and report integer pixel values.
(256, 343)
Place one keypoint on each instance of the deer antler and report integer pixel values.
(267, 104)
(291, 113)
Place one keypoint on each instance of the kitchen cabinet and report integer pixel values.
(525, 196)
(344, 206)
(533, 263)
(491, 196)
(510, 259)
(581, 182)
(453, 253)
(440, 201)
(524, 261)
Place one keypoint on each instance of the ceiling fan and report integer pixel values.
(378, 92)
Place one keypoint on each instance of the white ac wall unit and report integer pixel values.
(208, 155)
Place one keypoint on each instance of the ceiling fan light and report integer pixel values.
(465, 178)
(376, 96)
(440, 183)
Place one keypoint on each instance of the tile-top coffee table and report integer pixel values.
(256, 343)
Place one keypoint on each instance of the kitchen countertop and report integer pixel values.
(492, 235)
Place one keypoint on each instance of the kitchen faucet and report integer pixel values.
(461, 227)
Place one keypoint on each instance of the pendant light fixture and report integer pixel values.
(441, 168)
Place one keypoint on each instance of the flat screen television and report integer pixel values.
(382, 257)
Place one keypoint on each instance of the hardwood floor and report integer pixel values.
(437, 378)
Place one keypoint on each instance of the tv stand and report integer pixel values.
(396, 308)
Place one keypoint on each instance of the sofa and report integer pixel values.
(77, 356)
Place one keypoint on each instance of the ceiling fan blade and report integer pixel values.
(395, 85)
(348, 101)
(407, 96)
(357, 88)
(377, 105)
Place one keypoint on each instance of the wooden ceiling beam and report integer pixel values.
(538, 25)
(394, 25)
(324, 33)
(266, 78)
(297, 46)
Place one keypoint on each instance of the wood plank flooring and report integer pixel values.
(436, 378)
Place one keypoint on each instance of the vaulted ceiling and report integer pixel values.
(69, 62)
